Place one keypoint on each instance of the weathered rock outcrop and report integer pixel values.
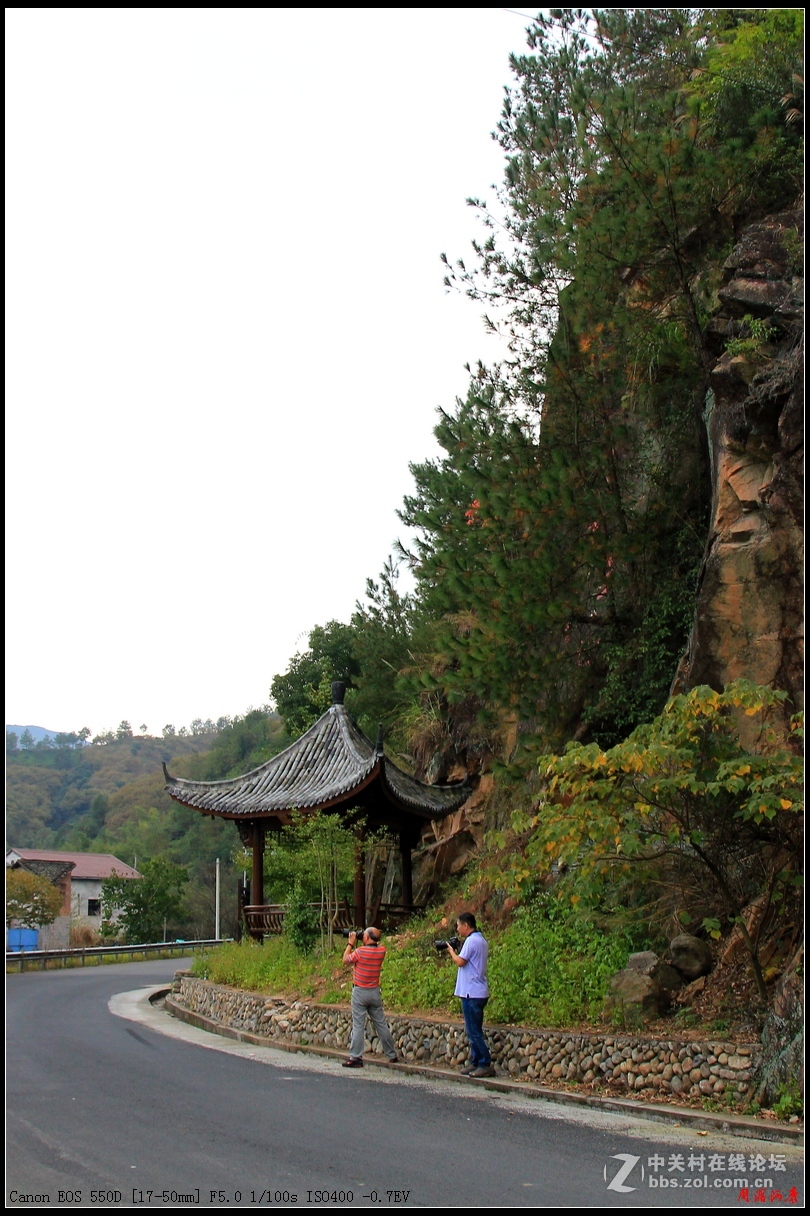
(690, 956)
(749, 609)
(749, 612)
(783, 1037)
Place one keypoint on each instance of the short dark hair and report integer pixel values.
(373, 932)
(466, 918)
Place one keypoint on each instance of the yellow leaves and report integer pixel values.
(785, 803)
(745, 768)
(643, 807)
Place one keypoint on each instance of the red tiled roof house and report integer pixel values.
(79, 877)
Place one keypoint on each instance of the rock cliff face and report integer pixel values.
(749, 607)
(749, 611)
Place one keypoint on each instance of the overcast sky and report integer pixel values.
(226, 332)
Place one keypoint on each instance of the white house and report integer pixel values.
(79, 875)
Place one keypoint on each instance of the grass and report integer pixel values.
(275, 966)
(548, 967)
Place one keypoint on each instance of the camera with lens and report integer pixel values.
(455, 942)
(359, 932)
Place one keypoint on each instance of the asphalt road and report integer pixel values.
(112, 1103)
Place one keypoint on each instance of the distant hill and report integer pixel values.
(37, 732)
(108, 796)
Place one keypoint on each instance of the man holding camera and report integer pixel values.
(366, 962)
(472, 987)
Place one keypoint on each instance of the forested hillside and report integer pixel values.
(616, 518)
(107, 796)
(563, 538)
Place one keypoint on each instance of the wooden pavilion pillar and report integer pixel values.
(359, 897)
(252, 833)
(257, 883)
(407, 869)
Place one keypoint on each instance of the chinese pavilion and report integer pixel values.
(333, 766)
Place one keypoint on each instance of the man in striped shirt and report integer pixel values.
(366, 962)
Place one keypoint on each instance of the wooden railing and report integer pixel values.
(269, 918)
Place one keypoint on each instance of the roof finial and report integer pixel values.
(338, 692)
(379, 739)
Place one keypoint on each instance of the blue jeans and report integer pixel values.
(473, 1009)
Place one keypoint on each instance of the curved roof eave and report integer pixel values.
(328, 764)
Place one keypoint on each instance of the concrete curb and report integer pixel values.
(735, 1125)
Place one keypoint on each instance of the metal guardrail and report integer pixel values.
(84, 952)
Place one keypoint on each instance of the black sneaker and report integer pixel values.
(352, 1062)
(393, 1059)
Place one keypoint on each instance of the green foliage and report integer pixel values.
(704, 787)
(241, 744)
(552, 965)
(314, 855)
(51, 792)
(31, 900)
(753, 344)
(302, 923)
(275, 966)
(304, 692)
(388, 628)
(370, 655)
(789, 1102)
(144, 909)
(749, 94)
(557, 548)
(309, 867)
(639, 670)
(559, 534)
(415, 979)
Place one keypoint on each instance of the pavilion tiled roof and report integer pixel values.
(324, 767)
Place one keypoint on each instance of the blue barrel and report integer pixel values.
(22, 939)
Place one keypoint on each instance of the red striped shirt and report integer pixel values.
(367, 962)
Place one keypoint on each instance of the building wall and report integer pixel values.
(55, 936)
(85, 890)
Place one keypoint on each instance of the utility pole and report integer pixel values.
(216, 923)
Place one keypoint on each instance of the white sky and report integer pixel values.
(226, 331)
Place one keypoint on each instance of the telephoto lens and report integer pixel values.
(455, 942)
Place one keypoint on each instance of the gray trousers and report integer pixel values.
(367, 1002)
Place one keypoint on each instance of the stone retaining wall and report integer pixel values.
(624, 1063)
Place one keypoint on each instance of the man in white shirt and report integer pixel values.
(472, 987)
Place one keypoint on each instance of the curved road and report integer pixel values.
(113, 1103)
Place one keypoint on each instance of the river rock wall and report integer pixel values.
(623, 1064)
